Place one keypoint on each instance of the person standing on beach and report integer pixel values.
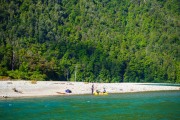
(92, 89)
(104, 90)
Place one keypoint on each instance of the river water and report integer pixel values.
(163, 105)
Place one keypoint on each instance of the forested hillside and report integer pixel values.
(90, 40)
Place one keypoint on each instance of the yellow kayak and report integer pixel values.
(101, 93)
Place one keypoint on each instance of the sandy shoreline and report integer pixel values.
(11, 89)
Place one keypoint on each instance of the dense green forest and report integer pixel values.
(90, 40)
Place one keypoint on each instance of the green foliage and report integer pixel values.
(99, 40)
(18, 74)
(37, 76)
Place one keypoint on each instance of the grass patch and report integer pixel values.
(4, 78)
(33, 82)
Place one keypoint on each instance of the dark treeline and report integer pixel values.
(90, 40)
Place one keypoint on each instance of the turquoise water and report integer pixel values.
(129, 106)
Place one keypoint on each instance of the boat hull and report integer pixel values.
(101, 93)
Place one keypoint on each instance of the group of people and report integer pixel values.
(104, 91)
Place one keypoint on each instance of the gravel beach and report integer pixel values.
(10, 89)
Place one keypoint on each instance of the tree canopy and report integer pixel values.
(90, 40)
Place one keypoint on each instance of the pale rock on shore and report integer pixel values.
(48, 88)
